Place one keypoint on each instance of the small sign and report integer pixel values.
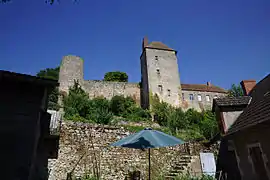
(208, 164)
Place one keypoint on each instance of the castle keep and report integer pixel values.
(159, 75)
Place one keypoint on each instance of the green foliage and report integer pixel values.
(135, 113)
(51, 73)
(126, 107)
(187, 125)
(120, 104)
(116, 76)
(208, 126)
(236, 91)
(78, 107)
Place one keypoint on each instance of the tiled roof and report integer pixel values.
(255, 113)
(202, 87)
(232, 101)
(159, 45)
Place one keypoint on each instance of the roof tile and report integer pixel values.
(255, 113)
(159, 45)
(202, 87)
(232, 101)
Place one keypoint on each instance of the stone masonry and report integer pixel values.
(83, 147)
(159, 75)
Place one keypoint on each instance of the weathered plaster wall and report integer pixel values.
(229, 118)
(196, 104)
(81, 139)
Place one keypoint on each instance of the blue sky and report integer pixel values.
(222, 42)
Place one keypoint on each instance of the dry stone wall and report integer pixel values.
(84, 147)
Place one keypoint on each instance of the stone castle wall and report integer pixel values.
(72, 69)
(110, 89)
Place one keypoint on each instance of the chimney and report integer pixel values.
(144, 43)
(247, 86)
(208, 83)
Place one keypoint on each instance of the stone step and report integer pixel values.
(185, 157)
(181, 164)
(178, 168)
(176, 171)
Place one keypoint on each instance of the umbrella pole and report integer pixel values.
(149, 163)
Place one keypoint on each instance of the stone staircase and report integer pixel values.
(179, 166)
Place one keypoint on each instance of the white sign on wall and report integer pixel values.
(208, 164)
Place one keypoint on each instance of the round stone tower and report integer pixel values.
(71, 69)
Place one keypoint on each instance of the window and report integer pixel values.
(158, 72)
(183, 96)
(156, 58)
(169, 92)
(160, 89)
(207, 98)
(199, 97)
(191, 97)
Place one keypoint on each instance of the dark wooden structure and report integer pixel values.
(26, 143)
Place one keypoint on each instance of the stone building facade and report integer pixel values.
(159, 75)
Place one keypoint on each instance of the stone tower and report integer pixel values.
(71, 69)
(159, 74)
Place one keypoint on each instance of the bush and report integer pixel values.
(187, 125)
(77, 102)
(78, 107)
(120, 105)
(208, 126)
(135, 113)
(116, 76)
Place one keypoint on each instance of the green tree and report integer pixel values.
(76, 104)
(116, 76)
(51, 73)
(208, 126)
(235, 91)
(176, 120)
